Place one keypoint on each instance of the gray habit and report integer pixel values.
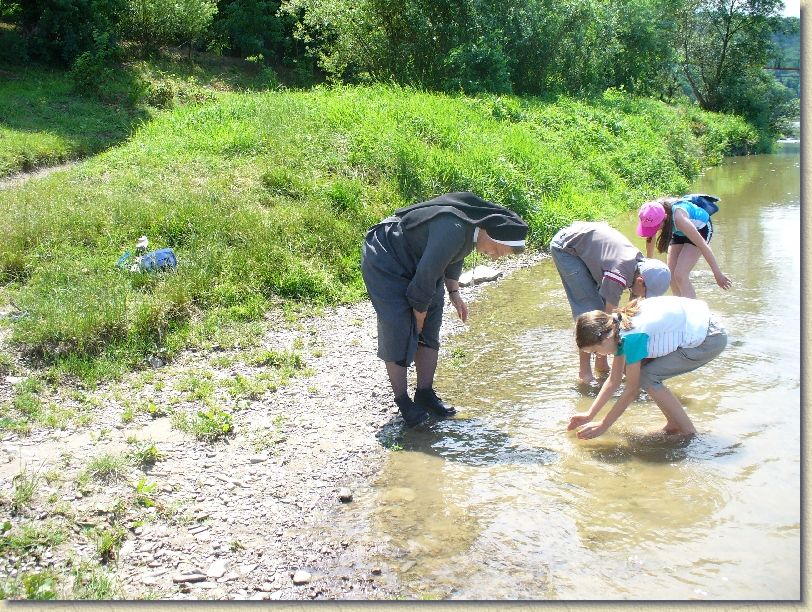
(403, 270)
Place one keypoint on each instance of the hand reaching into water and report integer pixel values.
(578, 420)
(592, 430)
(723, 281)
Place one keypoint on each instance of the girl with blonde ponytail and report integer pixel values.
(672, 335)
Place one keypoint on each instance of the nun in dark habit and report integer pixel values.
(407, 261)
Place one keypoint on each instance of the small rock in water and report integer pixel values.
(301, 577)
(345, 495)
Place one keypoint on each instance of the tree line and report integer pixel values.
(713, 52)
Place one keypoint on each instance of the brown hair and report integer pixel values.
(594, 327)
(667, 229)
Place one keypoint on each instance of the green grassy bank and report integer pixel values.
(265, 198)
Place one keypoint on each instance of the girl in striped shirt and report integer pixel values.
(652, 340)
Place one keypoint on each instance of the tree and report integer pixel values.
(722, 46)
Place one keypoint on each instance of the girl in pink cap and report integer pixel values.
(685, 233)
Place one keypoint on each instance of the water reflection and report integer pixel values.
(502, 502)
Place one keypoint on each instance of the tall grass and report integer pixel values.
(267, 196)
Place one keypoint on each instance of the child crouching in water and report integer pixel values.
(652, 339)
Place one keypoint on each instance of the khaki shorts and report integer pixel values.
(684, 360)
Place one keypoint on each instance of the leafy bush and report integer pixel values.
(62, 30)
(157, 23)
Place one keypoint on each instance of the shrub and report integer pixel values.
(156, 23)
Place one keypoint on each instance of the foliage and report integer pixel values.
(253, 28)
(207, 425)
(529, 46)
(107, 467)
(144, 492)
(723, 46)
(30, 585)
(157, 23)
(62, 30)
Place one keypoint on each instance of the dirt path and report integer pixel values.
(252, 516)
(15, 180)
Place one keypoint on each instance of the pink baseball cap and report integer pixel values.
(651, 216)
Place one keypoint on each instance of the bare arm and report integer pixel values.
(649, 247)
(683, 224)
(608, 389)
(630, 391)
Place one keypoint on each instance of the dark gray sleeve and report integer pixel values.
(454, 271)
(445, 241)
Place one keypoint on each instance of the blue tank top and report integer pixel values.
(698, 216)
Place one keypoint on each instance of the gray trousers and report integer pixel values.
(580, 287)
(684, 360)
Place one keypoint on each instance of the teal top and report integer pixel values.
(698, 216)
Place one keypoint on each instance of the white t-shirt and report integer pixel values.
(663, 325)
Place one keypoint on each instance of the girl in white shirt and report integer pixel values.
(652, 340)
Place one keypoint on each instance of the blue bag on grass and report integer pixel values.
(159, 260)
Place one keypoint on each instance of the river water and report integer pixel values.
(503, 503)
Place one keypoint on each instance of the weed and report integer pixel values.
(32, 539)
(276, 359)
(236, 546)
(144, 453)
(107, 467)
(7, 365)
(25, 487)
(143, 491)
(128, 414)
(264, 440)
(108, 541)
(93, 582)
(152, 410)
(244, 387)
(207, 425)
(82, 481)
(30, 585)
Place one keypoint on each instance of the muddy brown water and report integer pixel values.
(503, 503)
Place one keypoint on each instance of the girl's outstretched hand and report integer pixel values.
(592, 430)
(723, 281)
(578, 420)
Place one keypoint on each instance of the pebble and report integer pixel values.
(345, 495)
(218, 568)
(258, 458)
(179, 578)
(301, 577)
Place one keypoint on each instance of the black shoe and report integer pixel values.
(428, 400)
(411, 413)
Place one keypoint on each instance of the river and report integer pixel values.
(502, 502)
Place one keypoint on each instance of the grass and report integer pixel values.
(207, 425)
(144, 454)
(107, 467)
(93, 582)
(32, 539)
(30, 585)
(25, 488)
(44, 122)
(265, 198)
